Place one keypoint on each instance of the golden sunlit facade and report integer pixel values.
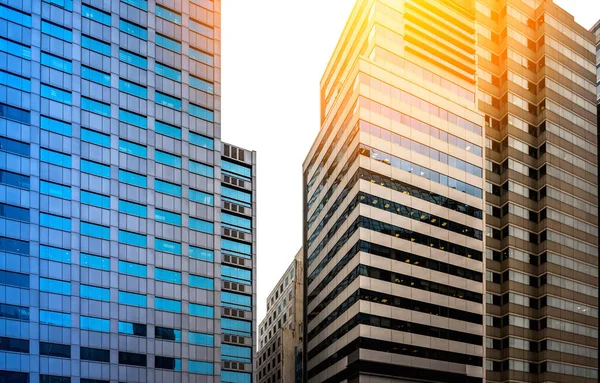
(394, 201)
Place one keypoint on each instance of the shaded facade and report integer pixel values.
(127, 226)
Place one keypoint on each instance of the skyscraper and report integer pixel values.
(127, 226)
(394, 202)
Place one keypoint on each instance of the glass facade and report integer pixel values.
(110, 193)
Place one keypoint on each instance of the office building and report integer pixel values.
(394, 199)
(127, 238)
(280, 332)
(596, 31)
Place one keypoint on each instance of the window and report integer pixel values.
(168, 101)
(54, 30)
(201, 56)
(235, 274)
(132, 359)
(167, 276)
(132, 178)
(132, 239)
(206, 340)
(94, 324)
(201, 141)
(237, 353)
(95, 354)
(236, 169)
(11, 245)
(55, 254)
(237, 248)
(202, 282)
(202, 113)
(94, 106)
(205, 368)
(165, 363)
(15, 16)
(133, 59)
(96, 231)
(14, 81)
(57, 63)
(167, 159)
(95, 14)
(201, 197)
(167, 246)
(201, 28)
(55, 126)
(141, 4)
(167, 43)
(55, 222)
(134, 269)
(234, 220)
(14, 312)
(12, 146)
(201, 310)
(167, 130)
(133, 89)
(236, 377)
(95, 76)
(55, 94)
(55, 286)
(167, 217)
(236, 327)
(93, 292)
(165, 304)
(165, 71)
(94, 199)
(202, 169)
(204, 86)
(95, 168)
(167, 188)
(201, 225)
(55, 349)
(167, 334)
(55, 318)
(14, 212)
(133, 149)
(201, 254)
(95, 45)
(132, 329)
(167, 14)
(236, 301)
(132, 208)
(94, 262)
(55, 158)
(133, 119)
(54, 379)
(237, 195)
(94, 137)
(132, 299)
(132, 29)
(15, 49)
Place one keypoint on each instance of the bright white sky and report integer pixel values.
(274, 54)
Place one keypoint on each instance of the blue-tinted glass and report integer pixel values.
(55, 126)
(234, 326)
(202, 282)
(14, 279)
(167, 159)
(201, 197)
(202, 141)
(94, 261)
(94, 199)
(166, 363)
(55, 254)
(16, 114)
(166, 42)
(204, 368)
(95, 14)
(133, 89)
(167, 246)
(165, 304)
(95, 168)
(56, 31)
(168, 15)
(201, 225)
(168, 101)
(235, 377)
(14, 312)
(15, 16)
(66, 4)
(141, 4)
(57, 63)
(55, 286)
(201, 28)
(202, 310)
(55, 318)
(167, 188)
(11, 245)
(93, 292)
(95, 76)
(95, 137)
(236, 169)
(167, 276)
(167, 130)
(132, 208)
(14, 212)
(56, 94)
(132, 329)
(202, 113)
(12, 146)
(132, 29)
(237, 301)
(95, 45)
(15, 49)
(200, 339)
(132, 178)
(133, 59)
(236, 274)
(168, 72)
(55, 190)
(236, 221)
(201, 56)
(55, 222)
(237, 353)
(201, 254)
(167, 334)
(236, 247)
(167, 217)
(92, 230)
(134, 269)
(95, 106)
(132, 239)
(94, 324)
(15, 81)
(204, 86)
(132, 299)
(133, 119)
(55, 158)
(236, 194)
(133, 149)
(203, 170)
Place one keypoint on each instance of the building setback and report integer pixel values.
(393, 201)
(127, 238)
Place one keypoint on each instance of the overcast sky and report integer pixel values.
(274, 54)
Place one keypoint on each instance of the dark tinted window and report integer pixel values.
(95, 354)
(15, 345)
(55, 349)
(132, 359)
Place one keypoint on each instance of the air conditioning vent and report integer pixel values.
(234, 233)
(233, 312)
(234, 260)
(229, 365)
(233, 286)
(235, 339)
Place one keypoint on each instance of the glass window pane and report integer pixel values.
(55, 126)
(94, 262)
(133, 119)
(95, 76)
(95, 137)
